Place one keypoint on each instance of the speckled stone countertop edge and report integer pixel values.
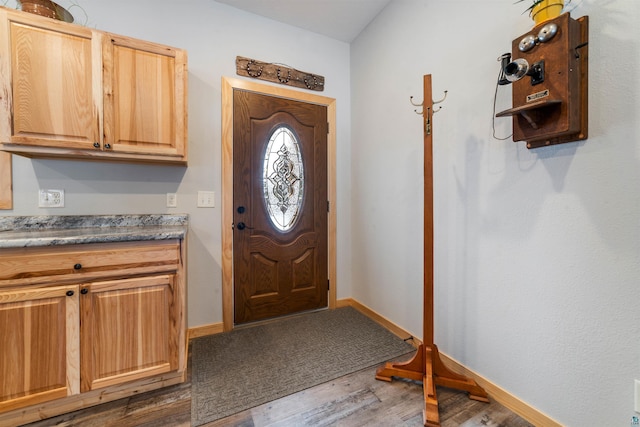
(40, 222)
(16, 232)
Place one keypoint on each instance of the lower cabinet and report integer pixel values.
(117, 329)
(39, 357)
(127, 330)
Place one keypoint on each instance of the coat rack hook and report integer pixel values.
(419, 112)
(436, 110)
(414, 104)
(443, 98)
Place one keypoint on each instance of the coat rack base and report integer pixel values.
(427, 366)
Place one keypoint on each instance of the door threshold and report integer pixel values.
(275, 319)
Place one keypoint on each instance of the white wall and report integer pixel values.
(537, 252)
(213, 34)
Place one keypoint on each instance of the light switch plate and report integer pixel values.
(206, 199)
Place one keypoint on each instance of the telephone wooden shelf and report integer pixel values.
(529, 107)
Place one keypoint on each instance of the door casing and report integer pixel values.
(228, 85)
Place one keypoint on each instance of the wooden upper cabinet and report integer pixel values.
(52, 83)
(144, 97)
(73, 92)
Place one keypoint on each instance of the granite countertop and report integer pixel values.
(24, 231)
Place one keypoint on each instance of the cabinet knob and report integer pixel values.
(96, 144)
(77, 266)
(107, 146)
(69, 293)
(84, 291)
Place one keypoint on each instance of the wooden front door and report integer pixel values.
(280, 204)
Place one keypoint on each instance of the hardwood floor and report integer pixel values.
(354, 400)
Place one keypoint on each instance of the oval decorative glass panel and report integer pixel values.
(283, 178)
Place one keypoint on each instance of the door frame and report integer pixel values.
(228, 85)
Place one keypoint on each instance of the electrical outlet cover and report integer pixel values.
(172, 200)
(51, 199)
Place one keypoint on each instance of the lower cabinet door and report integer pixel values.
(128, 330)
(39, 345)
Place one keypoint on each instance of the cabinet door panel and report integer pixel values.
(129, 330)
(39, 354)
(53, 87)
(145, 104)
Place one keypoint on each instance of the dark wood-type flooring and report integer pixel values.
(357, 399)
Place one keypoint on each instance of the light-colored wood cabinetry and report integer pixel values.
(6, 181)
(74, 92)
(85, 324)
(128, 330)
(144, 97)
(39, 358)
(54, 81)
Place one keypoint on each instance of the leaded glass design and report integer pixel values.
(283, 178)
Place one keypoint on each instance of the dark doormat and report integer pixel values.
(247, 367)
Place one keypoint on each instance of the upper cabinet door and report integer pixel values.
(144, 97)
(53, 77)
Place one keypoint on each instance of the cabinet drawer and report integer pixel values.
(74, 263)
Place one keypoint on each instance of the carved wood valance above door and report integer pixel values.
(278, 73)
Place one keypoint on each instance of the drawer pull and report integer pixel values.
(84, 291)
(77, 266)
(69, 293)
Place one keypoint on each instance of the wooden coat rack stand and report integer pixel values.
(426, 365)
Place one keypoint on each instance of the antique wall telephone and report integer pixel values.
(548, 71)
